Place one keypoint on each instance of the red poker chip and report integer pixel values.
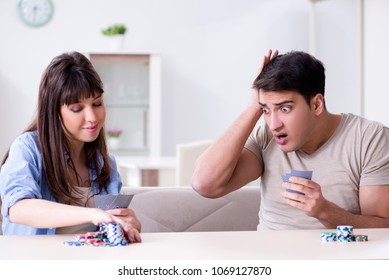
(360, 237)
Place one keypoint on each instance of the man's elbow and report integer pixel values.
(205, 189)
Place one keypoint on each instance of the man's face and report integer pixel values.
(289, 118)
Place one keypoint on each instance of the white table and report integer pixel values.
(250, 245)
(147, 171)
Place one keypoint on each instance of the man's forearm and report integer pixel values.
(335, 215)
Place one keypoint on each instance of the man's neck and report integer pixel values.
(326, 127)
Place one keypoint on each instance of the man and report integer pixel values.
(349, 155)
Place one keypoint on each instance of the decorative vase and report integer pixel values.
(116, 42)
(113, 143)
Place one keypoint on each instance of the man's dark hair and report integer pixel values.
(294, 71)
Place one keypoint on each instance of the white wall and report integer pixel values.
(210, 51)
(376, 60)
(352, 38)
(336, 42)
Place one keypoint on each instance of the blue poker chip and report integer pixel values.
(74, 243)
(345, 239)
(328, 236)
(108, 234)
(345, 233)
(345, 230)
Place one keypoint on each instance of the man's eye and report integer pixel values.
(285, 109)
(265, 110)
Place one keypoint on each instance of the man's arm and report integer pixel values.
(226, 165)
(374, 210)
(374, 202)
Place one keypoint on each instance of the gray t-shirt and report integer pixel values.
(357, 154)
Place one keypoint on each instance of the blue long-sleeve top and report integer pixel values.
(22, 177)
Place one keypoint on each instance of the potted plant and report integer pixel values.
(116, 29)
(113, 138)
(114, 132)
(115, 33)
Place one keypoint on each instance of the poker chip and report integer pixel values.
(328, 236)
(73, 243)
(108, 235)
(344, 239)
(360, 238)
(345, 230)
(344, 233)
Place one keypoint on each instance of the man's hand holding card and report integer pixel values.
(296, 173)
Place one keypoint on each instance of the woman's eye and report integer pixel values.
(98, 102)
(75, 109)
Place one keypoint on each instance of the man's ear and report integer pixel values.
(317, 103)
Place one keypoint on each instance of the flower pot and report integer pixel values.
(113, 143)
(116, 42)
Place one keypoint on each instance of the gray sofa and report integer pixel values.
(180, 209)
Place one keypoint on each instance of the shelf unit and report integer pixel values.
(132, 95)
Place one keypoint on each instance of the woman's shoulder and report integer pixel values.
(29, 136)
(25, 147)
(28, 139)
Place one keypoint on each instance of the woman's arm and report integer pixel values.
(41, 213)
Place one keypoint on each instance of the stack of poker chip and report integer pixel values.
(328, 236)
(360, 238)
(108, 234)
(343, 233)
(114, 233)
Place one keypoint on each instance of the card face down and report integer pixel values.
(297, 173)
(302, 174)
(111, 201)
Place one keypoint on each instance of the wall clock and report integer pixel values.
(35, 12)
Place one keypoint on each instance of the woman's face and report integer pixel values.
(83, 120)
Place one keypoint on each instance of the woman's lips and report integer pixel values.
(91, 128)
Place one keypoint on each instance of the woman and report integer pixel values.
(52, 171)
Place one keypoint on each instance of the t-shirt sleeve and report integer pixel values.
(375, 165)
(255, 141)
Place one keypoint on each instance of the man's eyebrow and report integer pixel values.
(277, 104)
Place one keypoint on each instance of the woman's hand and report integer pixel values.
(123, 216)
(129, 222)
